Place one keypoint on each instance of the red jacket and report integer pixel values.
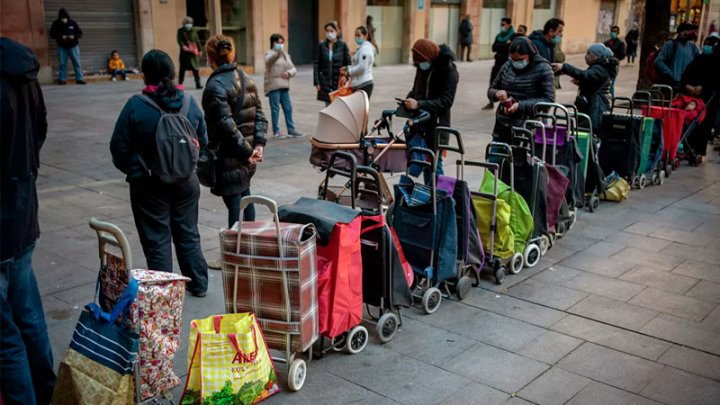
(683, 100)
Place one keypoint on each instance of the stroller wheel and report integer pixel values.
(642, 182)
(431, 300)
(387, 327)
(516, 263)
(500, 273)
(357, 339)
(532, 255)
(544, 244)
(676, 164)
(462, 289)
(296, 375)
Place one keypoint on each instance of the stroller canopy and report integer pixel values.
(344, 120)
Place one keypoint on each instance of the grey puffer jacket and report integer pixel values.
(528, 86)
(234, 126)
(594, 86)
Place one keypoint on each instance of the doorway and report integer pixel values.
(302, 26)
(444, 24)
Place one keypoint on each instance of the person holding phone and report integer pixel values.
(434, 88)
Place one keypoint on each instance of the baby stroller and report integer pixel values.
(424, 218)
(651, 147)
(685, 150)
(386, 274)
(470, 254)
(621, 137)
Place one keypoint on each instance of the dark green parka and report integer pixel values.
(188, 60)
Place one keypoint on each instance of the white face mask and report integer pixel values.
(188, 26)
(424, 65)
(331, 35)
(279, 47)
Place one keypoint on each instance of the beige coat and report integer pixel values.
(276, 63)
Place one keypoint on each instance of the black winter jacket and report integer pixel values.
(529, 86)
(133, 141)
(23, 128)
(545, 49)
(594, 86)
(70, 28)
(617, 46)
(435, 89)
(235, 126)
(326, 72)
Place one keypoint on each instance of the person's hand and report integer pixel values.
(575, 82)
(343, 70)
(185, 48)
(514, 107)
(556, 67)
(411, 104)
(255, 157)
(317, 87)
(285, 75)
(259, 149)
(501, 95)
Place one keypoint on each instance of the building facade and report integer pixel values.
(135, 26)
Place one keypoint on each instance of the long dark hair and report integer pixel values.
(159, 70)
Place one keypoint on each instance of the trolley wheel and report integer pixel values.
(356, 339)
(532, 255)
(635, 182)
(594, 203)
(462, 289)
(296, 375)
(516, 263)
(668, 169)
(676, 164)
(544, 244)
(431, 300)
(553, 238)
(387, 327)
(573, 220)
(500, 274)
(661, 177)
(654, 178)
(642, 182)
(560, 230)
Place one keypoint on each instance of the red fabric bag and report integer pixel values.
(340, 280)
(672, 121)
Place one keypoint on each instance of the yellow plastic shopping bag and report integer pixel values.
(229, 362)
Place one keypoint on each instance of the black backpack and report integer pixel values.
(176, 144)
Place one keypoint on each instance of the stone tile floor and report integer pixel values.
(622, 310)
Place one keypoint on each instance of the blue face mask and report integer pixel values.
(707, 49)
(613, 35)
(359, 40)
(424, 65)
(520, 64)
(557, 40)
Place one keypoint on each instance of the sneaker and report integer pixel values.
(215, 264)
(114, 79)
(295, 134)
(489, 106)
(126, 78)
(198, 294)
(81, 82)
(61, 82)
(279, 135)
(199, 86)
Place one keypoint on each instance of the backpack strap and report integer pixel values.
(183, 110)
(152, 103)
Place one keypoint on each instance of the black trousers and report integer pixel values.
(167, 214)
(196, 75)
(463, 48)
(367, 88)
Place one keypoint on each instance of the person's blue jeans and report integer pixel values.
(74, 54)
(612, 87)
(26, 361)
(120, 72)
(232, 202)
(281, 98)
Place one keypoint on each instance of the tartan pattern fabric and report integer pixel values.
(229, 350)
(415, 194)
(253, 275)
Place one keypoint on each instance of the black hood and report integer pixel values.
(446, 55)
(17, 61)
(63, 14)
(537, 35)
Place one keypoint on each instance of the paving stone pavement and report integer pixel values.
(625, 309)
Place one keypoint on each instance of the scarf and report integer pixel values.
(505, 36)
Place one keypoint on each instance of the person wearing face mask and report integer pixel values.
(190, 51)
(593, 83)
(434, 88)
(616, 45)
(501, 47)
(66, 34)
(360, 72)
(702, 73)
(546, 39)
(676, 55)
(523, 81)
(278, 71)
(333, 54)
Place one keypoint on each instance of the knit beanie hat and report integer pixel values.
(425, 50)
(601, 51)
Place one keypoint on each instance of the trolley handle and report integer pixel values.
(424, 163)
(494, 168)
(523, 138)
(271, 205)
(369, 176)
(626, 103)
(585, 119)
(664, 90)
(460, 149)
(110, 234)
(349, 158)
(643, 97)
